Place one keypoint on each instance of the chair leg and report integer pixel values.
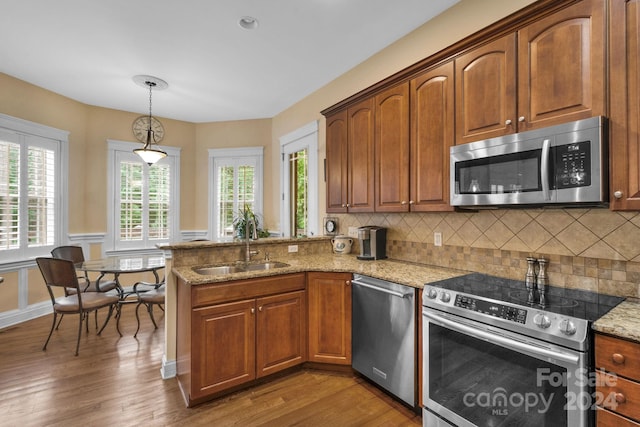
(82, 318)
(118, 315)
(150, 310)
(106, 320)
(137, 318)
(53, 325)
(60, 321)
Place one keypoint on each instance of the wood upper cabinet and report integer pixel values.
(432, 134)
(486, 91)
(559, 65)
(281, 337)
(329, 301)
(624, 118)
(392, 150)
(360, 142)
(337, 164)
(350, 154)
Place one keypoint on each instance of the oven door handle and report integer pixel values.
(500, 339)
(377, 288)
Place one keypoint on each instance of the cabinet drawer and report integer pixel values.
(619, 395)
(609, 419)
(619, 356)
(214, 293)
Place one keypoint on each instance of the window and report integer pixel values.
(236, 181)
(145, 209)
(299, 180)
(32, 188)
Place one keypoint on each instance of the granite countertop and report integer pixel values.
(622, 321)
(410, 274)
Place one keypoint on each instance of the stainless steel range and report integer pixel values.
(493, 357)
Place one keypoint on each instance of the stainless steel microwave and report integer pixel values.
(564, 164)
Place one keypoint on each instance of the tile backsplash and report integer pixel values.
(591, 249)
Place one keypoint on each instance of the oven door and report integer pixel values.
(479, 375)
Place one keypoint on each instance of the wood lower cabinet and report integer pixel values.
(624, 120)
(232, 333)
(329, 302)
(559, 66)
(618, 381)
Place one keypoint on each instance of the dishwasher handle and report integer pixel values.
(377, 288)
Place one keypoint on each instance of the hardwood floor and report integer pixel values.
(116, 382)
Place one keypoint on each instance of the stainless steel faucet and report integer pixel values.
(248, 237)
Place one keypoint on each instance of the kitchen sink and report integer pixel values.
(239, 268)
(264, 266)
(216, 271)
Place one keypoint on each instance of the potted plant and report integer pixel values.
(243, 216)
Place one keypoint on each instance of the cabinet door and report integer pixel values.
(486, 91)
(432, 114)
(561, 66)
(223, 347)
(392, 150)
(329, 296)
(624, 120)
(280, 332)
(336, 167)
(361, 167)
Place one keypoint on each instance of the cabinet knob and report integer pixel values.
(618, 358)
(260, 308)
(253, 310)
(620, 398)
(411, 202)
(347, 282)
(404, 202)
(521, 119)
(618, 194)
(348, 205)
(507, 122)
(344, 206)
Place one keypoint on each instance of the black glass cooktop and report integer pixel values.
(569, 302)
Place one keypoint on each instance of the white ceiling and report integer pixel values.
(89, 50)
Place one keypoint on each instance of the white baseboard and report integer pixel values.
(13, 317)
(168, 369)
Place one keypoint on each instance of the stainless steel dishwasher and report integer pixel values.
(384, 335)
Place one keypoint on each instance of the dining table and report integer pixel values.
(123, 264)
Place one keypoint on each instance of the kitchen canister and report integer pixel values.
(342, 244)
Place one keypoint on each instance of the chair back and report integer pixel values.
(59, 273)
(73, 253)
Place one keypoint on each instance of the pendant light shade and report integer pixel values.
(147, 153)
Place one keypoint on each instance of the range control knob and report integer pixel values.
(567, 327)
(542, 321)
(432, 294)
(445, 297)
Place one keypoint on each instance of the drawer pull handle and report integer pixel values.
(618, 358)
(620, 398)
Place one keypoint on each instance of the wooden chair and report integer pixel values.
(149, 294)
(61, 273)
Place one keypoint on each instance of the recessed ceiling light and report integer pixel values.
(248, 23)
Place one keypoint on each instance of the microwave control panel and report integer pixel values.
(572, 165)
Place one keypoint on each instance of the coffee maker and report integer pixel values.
(373, 242)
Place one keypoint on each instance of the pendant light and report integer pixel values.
(148, 154)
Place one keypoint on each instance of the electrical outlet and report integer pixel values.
(437, 238)
(353, 232)
(293, 248)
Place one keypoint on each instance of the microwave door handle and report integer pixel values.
(544, 169)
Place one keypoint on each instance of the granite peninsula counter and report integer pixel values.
(623, 321)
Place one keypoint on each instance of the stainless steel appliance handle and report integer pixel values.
(386, 291)
(499, 339)
(544, 169)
